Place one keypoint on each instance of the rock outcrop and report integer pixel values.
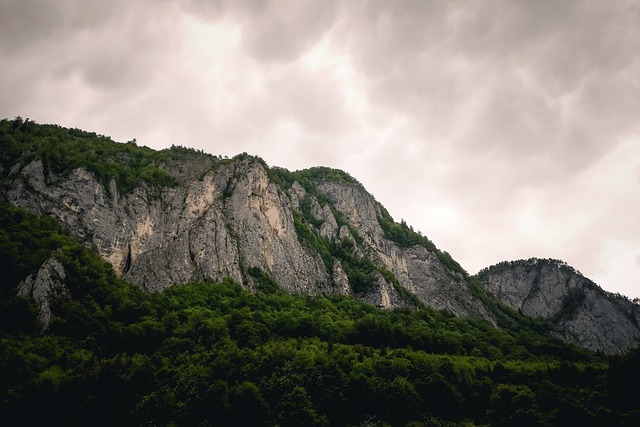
(231, 219)
(228, 216)
(40, 286)
(416, 268)
(581, 311)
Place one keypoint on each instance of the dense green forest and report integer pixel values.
(58, 148)
(215, 354)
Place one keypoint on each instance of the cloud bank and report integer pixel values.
(500, 129)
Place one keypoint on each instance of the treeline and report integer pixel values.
(528, 263)
(308, 178)
(62, 150)
(405, 236)
(215, 354)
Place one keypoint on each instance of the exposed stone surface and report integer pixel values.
(599, 324)
(226, 217)
(229, 217)
(340, 279)
(582, 312)
(49, 278)
(210, 228)
(417, 269)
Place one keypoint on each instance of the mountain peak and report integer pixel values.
(582, 313)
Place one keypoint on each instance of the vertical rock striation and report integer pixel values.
(226, 217)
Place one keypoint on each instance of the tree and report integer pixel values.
(296, 409)
(514, 405)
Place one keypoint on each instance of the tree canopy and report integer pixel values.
(213, 353)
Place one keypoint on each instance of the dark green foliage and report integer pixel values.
(572, 301)
(63, 150)
(316, 242)
(531, 263)
(26, 241)
(216, 354)
(307, 177)
(305, 210)
(359, 269)
(264, 282)
(625, 376)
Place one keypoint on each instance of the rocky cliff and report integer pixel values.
(155, 237)
(179, 216)
(581, 311)
(49, 278)
(230, 217)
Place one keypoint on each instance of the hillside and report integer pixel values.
(177, 216)
(173, 287)
(180, 216)
(214, 354)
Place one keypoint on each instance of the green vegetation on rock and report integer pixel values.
(63, 150)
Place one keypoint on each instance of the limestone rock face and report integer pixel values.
(215, 227)
(50, 278)
(416, 268)
(229, 216)
(600, 324)
(314, 233)
(582, 312)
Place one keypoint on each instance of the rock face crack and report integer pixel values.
(127, 263)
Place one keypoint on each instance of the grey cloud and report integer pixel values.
(285, 29)
(16, 14)
(109, 45)
(25, 24)
(214, 10)
(558, 48)
(316, 103)
(495, 111)
(272, 31)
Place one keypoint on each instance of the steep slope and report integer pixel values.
(158, 236)
(414, 263)
(178, 216)
(582, 313)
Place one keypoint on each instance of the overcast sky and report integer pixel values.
(500, 129)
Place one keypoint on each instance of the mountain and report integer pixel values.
(296, 300)
(178, 216)
(582, 313)
(182, 216)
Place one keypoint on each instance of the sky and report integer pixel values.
(501, 130)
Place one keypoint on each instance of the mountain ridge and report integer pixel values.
(179, 215)
(581, 311)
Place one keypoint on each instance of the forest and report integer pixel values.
(214, 354)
